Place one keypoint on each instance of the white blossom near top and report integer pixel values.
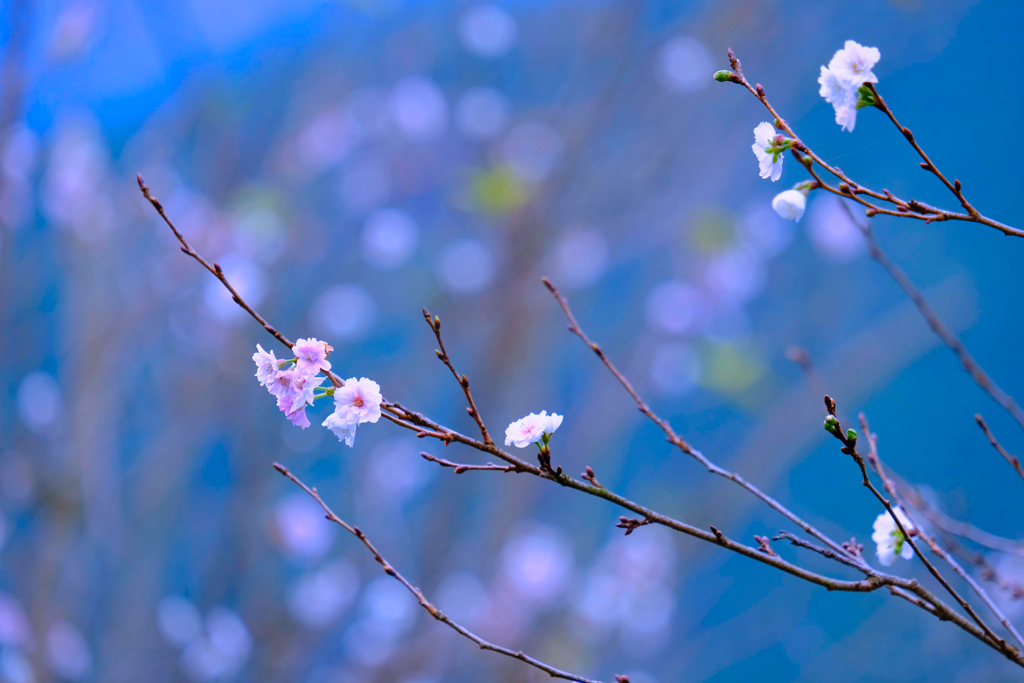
(790, 204)
(852, 65)
(266, 366)
(849, 69)
(888, 538)
(768, 156)
(358, 401)
(532, 428)
(312, 355)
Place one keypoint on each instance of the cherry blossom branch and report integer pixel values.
(418, 594)
(905, 208)
(1012, 459)
(442, 354)
(849, 441)
(908, 589)
(876, 463)
(460, 468)
(674, 438)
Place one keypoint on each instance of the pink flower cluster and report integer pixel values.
(293, 387)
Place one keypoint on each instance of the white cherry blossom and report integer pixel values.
(889, 540)
(531, 429)
(790, 204)
(768, 158)
(852, 65)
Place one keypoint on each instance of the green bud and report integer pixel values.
(851, 435)
(723, 76)
(832, 425)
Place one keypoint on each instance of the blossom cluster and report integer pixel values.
(294, 381)
(841, 81)
(843, 85)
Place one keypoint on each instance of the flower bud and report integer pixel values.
(832, 425)
(723, 76)
(851, 435)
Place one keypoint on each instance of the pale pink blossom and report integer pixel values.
(296, 417)
(358, 401)
(531, 429)
(283, 383)
(312, 355)
(302, 389)
(266, 366)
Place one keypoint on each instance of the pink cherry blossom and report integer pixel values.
(266, 366)
(312, 355)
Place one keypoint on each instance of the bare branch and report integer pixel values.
(442, 354)
(460, 468)
(418, 594)
(1012, 459)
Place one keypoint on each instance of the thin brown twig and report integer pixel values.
(214, 269)
(928, 164)
(1010, 458)
(442, 354)
(418, 594)
(825, 552)
(460, 468)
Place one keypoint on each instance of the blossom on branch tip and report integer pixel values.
(312, 355)
(841, 81)
(852, 65)
(534, 428)
(266, 366)
(768, 148)
(790, 204)
(888, 538)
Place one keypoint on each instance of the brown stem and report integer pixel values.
(418, 594)
(442, 354)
